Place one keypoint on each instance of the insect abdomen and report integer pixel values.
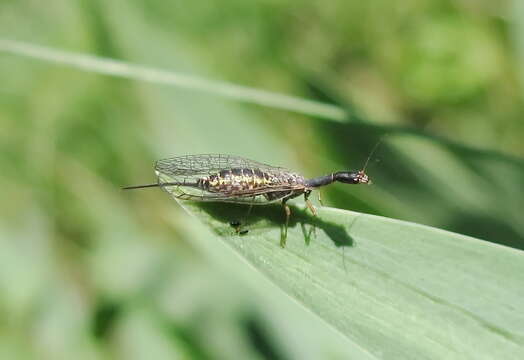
(242, 180)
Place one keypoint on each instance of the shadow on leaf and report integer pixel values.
(270, 216)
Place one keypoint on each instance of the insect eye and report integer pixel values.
(362, 178)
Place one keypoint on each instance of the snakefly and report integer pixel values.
(233, 179)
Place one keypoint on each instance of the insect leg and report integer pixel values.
(320, 198)
(238, 228)
(309, 204)
(249, 209)
(237, 225)
(287, 210)
(244, 231)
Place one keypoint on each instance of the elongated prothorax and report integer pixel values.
(346, 177)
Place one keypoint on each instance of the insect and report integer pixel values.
(233, 179)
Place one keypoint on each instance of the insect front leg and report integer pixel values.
(309, 204)
(320, 198)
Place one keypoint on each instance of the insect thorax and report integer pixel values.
(244, 180)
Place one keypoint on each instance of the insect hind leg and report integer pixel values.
(237, 225)
(287, 211)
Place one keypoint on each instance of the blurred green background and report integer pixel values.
(88, 271)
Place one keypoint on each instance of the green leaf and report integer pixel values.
(398, 290)
(113, 67)
(467, 190)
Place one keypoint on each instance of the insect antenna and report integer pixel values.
(373, 152)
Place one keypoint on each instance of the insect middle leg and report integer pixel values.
(309, 204)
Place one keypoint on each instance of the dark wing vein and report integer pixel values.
(239, 194)
(244, 197)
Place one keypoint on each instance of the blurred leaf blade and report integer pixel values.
(117, 68)
(397, 289)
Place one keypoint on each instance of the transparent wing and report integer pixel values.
(188, 169)
(206, 164)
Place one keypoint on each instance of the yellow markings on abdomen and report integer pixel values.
(239, 180)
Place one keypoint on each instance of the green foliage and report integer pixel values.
(395, 289)
(88, 271)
